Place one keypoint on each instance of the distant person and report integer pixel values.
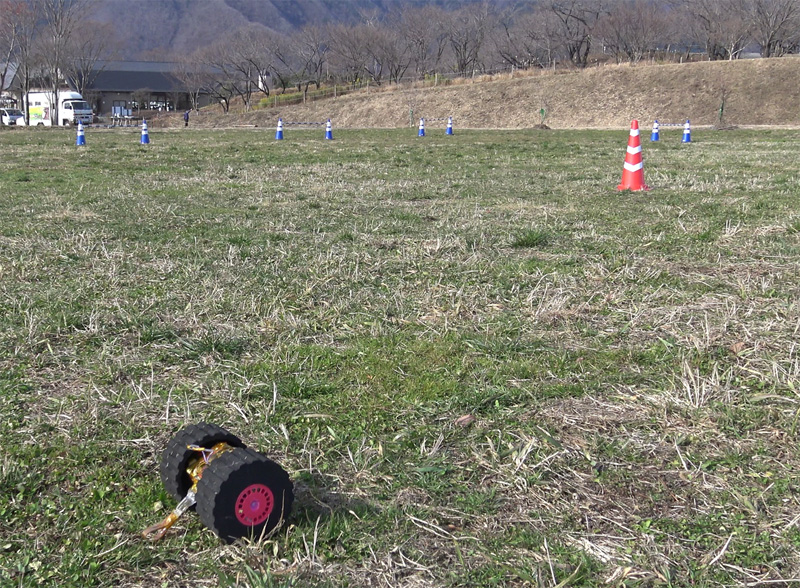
(186, 119)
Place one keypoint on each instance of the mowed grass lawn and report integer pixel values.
(480, 363)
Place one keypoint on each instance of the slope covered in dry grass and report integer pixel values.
(757, 92)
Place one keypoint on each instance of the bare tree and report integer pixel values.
(578, 19)
(220, 90)
(61, 19)
(509, 41)
(19, 23)
(467, 30)
(631, 29)
(296, 60)
(530, 39)
(425, 37)
(723, 27)
(775, 25)
(219, 76)
(174, 98)
(374, 40)
(189, 71)
(299, 59)
(85, 51)
(279, 58)
(241, 63)
(142, 99)
(349, 52)
(10, 33)
(388, 51)
(310, 47)
(246, 60)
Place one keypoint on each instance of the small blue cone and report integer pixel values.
(421, 127)
(81, 140)
(449, 125)
(654, 134)
(328, 130)
(279, 131)
(145, 134)
(687, 132)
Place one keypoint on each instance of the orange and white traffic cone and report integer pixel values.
(633, 170)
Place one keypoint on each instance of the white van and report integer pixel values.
(72, 109)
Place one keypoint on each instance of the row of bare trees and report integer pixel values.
(412, 42)
(46, 41)
(418, 41)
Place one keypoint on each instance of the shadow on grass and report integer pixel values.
(317, 500)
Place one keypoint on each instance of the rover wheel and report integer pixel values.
(244, 494)
(176, 456)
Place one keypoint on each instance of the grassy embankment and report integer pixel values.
(754, 92)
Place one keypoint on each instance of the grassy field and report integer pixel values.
(480, 363)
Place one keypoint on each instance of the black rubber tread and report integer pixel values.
(176, 456)
(225, 478)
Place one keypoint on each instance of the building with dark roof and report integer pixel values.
(122, 87)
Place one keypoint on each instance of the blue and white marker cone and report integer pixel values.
(328, 130)
(81, 139)
(687, 132)
(654, 134)
(421, 127)
(279, 131)
(449, 125)
(145, 134)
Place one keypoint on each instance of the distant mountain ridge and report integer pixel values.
(166, 28)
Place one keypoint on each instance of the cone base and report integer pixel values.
(643, 187)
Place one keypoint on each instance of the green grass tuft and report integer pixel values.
(532, 239)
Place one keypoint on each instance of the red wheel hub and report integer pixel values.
(254, 505)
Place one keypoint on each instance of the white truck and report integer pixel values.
(72, 109)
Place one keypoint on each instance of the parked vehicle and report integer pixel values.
(12, 116)
(72, 109)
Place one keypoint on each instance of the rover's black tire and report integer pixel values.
(243, 494)
(176, 456)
